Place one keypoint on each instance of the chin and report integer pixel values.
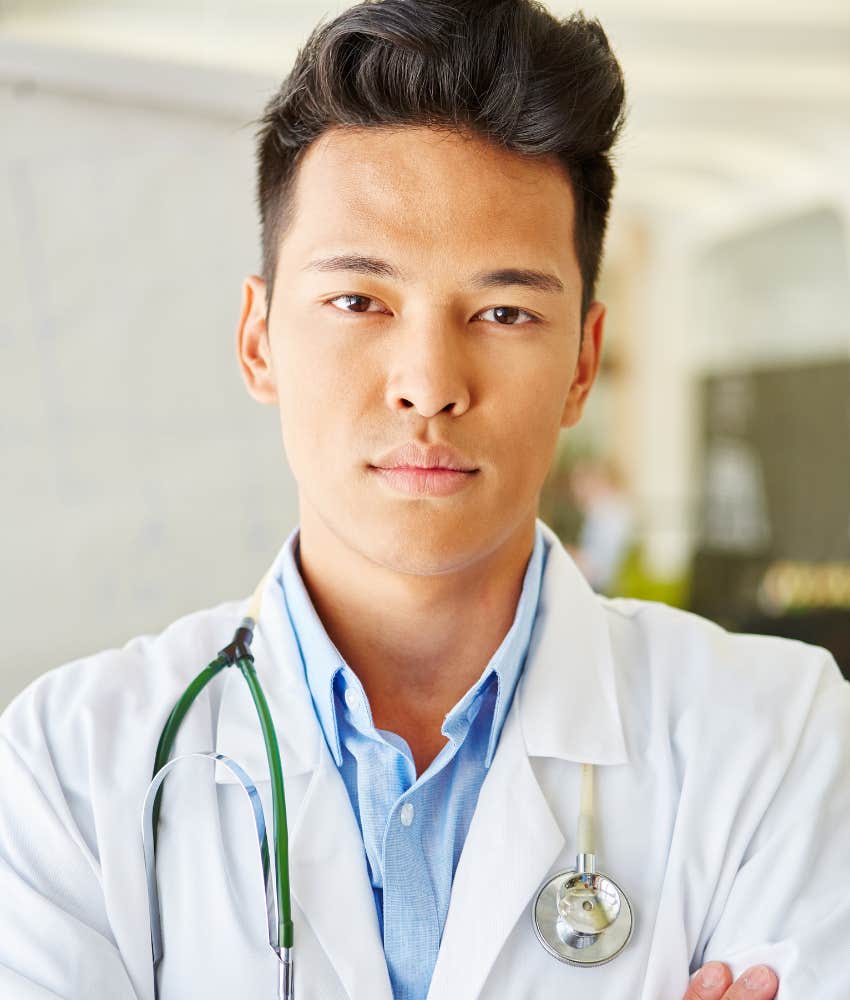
(419, 540)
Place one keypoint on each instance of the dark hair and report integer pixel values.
(506, 69)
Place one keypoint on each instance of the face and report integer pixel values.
(363, 360)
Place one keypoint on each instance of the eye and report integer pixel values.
(505, 312)
(351, 297)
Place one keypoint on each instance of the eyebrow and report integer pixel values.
(542, 281)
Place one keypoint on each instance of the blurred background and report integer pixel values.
(712, 467)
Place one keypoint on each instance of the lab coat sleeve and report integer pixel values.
(789, 905)
(54, 933)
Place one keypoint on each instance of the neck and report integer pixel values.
(417, 641)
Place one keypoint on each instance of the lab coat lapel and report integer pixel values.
(568, 700)
(565, 707)
(277, 661)
(512, 842)
(331, 884)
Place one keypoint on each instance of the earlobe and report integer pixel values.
(587, 364)
(253, 347)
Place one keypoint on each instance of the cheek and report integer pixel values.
(301, 391)
(319, 393)
(527, 421)
(531, 448)
(531, 399)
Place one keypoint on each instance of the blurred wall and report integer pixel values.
(141, 481)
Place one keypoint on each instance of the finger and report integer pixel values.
(710, 983)
(757, 983)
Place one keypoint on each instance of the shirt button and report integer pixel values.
(352, 699)
(407, 814)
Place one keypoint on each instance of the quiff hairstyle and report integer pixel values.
(507, 70)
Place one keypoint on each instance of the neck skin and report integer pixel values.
(417, 643)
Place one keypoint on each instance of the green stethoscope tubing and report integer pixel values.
(238, 654)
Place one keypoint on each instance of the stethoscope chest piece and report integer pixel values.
(582, 918)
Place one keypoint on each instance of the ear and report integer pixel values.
(254, 352)
(586, 366)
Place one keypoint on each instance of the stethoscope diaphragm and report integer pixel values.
(582, 917)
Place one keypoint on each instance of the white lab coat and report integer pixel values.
(723, 798)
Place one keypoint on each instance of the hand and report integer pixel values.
(714, 982)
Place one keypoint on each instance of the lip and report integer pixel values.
(416, 456)
(417, 469)
(434, 482)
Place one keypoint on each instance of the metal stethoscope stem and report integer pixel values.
(581, 916)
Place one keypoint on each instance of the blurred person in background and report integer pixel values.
(608, 524)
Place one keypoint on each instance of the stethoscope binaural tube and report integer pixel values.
(148, 844)
(238, 653)
(581, 916)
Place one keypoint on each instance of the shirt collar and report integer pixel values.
(323, 661)
(571, 656)
(508, 660)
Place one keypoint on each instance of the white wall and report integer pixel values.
(140, 480)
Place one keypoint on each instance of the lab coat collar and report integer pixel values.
(281, 673)
(566, 697)
(323, 662)
(568, 701)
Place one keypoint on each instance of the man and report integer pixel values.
(434, 185)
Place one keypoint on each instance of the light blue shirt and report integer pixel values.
(413, 827)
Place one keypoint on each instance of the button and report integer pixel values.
(352, 699)
(407, 814)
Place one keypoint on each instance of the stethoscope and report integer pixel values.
(580, 916)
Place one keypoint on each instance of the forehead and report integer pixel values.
(421, 188)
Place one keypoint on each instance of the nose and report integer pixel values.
(429, 373)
